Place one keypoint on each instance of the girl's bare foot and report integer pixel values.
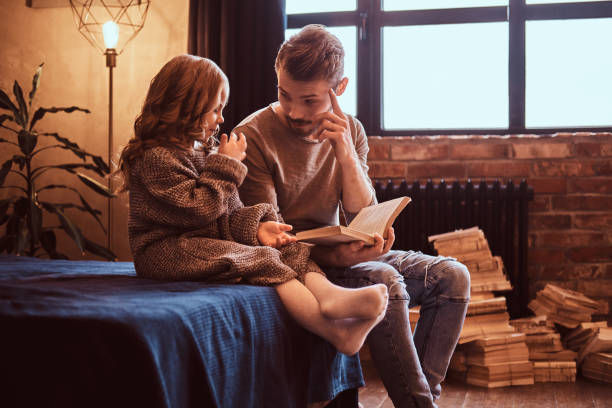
(351, 333)
(362, 303)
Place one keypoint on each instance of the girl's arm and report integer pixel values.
(185, 199)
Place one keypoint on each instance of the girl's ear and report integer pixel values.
(341, 86)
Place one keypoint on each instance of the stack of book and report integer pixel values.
(598, 367)
(551, 362)
(596, 354)
(498, 361)
(576, 338)
(490, 352)
(543, 340)
(600, 342)
(554, 371)
(470, 247)
(565, 307)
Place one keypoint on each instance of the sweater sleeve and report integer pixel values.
(258, 186)
(244, 222)
(193, 200)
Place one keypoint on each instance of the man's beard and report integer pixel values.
(304, 130)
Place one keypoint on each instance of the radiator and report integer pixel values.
(500, 210)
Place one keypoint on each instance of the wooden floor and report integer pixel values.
(583, 393)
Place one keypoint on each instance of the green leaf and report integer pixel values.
(12, 228)
(40, 112)
(6, 103)
(99, 250)
(48, 242)
(4, 170)
(92, 211)
(22, 236)
(70, 167)
(68, 145)
(67, 225)
(20, 160)
(23, 108)
(95, 185)
(4, 205)
(101, 164)
(27, 141)
(5, 117)
(35, 218)
(86, 206)
(35, 82)
(21, 206)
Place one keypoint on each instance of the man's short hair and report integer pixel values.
(312, 54)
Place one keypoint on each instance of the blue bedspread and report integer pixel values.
(88, 333)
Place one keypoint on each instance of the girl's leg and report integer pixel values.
(337, 302)
(347, 335)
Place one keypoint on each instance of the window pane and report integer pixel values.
(319, 6)
(348, 36)
(390, 5)
(452, 76)
(568, 73)
(557, 1)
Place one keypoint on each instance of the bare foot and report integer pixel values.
(351, 333)
(361, 303)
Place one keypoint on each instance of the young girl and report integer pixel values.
(187, 222)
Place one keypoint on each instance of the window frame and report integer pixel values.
(369, 18)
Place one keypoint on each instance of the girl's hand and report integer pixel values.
(272, 233)
(233, 146)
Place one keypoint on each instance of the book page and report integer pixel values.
(379, 217)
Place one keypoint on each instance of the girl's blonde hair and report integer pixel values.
(179, 95)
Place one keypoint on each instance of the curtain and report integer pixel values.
(242, 37)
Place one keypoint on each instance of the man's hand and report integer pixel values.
(273, 234)
(233, 146)
(334, 127)
(345, 255)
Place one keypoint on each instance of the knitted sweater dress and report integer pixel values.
(186, 222)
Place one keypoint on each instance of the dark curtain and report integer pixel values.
(242, 37)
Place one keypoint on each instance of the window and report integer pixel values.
(471, 66)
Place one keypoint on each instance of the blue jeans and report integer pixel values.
(412, 367)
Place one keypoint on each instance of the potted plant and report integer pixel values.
(24, 212)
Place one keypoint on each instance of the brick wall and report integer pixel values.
(570, 219)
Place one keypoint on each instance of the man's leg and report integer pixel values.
(441, 285)
(391, 345)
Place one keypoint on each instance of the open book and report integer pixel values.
(372, 219)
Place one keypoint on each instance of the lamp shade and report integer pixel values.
(109, 23)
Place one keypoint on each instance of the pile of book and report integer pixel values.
(586, 343)
(598, 367)
(554, 371)
(551, 362)
(490, 352)
(576, 338)
(470, 247)
(565, 307)
(498, 361)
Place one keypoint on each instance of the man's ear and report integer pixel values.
(341, 86)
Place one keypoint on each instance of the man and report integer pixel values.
(308, 159)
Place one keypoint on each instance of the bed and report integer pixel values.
(89, 333)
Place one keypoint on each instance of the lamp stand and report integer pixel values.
(111, 62)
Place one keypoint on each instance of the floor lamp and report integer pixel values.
(109, 25)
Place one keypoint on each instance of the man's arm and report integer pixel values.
(357, 189)
(344, 255)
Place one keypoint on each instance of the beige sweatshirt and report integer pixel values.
(301, 178)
